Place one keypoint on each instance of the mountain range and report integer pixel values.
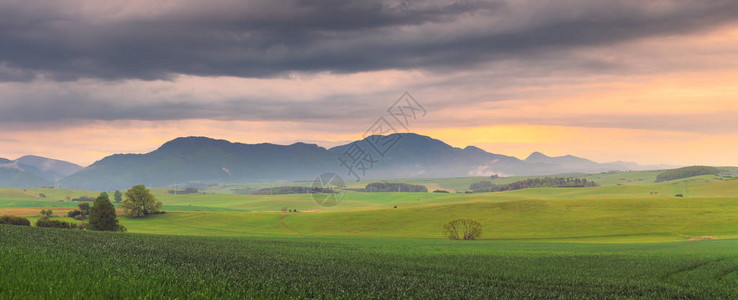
(189, 160)
(34, 171)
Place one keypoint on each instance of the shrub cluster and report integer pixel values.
(59, 224)
(83, 199)
(74, 213)
(13, 220)
(81, 212)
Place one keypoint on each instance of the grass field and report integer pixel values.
(609, 213)
(628, 238)
(78, 264)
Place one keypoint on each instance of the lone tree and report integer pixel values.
(102, 215)
(140, 202)
(118, 196)
(462, 229)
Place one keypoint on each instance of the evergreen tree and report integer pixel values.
(102, 215)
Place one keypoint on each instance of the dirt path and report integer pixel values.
(281, 223)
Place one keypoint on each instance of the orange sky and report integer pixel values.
(667, 99)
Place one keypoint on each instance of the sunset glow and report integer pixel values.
(668, 96)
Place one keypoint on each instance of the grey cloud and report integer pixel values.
(61, 41)
(56, 106)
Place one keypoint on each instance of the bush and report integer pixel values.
(47, 213)
(55, 224)
(74, 213)
(84, 208)
(83, 199)
(13, 220)
(462, 229)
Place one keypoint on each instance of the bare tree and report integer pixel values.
(462, 229)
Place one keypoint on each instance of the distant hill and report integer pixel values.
(200, 159)
(415, 155)
(573, 164)
(206, 160)
(14, 175)
(49, 169)
(686, 172)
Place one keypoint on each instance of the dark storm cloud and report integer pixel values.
(67, 40)
(72, 107)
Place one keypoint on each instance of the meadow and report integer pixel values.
(628, 238)
(613, 212)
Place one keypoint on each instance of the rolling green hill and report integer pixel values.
(629, 238)
(612, 213)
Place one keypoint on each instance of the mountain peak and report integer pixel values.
(47, 168)
(474, 149)
(536, 155)
(191, 141)
(404, 143)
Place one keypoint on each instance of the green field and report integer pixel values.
(628, 238)
(76, 264)
(613, 212)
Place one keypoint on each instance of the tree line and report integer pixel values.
(389, 187)
(282, 190)
(686, 172)
(550, 182)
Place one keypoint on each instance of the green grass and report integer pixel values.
(44, 263)
(613, 213)
(607, 220)
(604, 179)
(624, 239)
